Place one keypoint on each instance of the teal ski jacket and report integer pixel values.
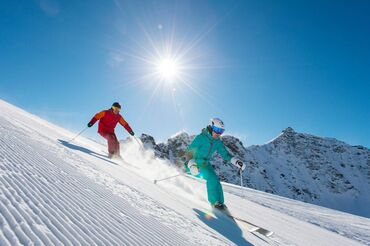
(204, 146)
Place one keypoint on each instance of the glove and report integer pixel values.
(132, 133)
(185, 156)
(238, 163)
(193, 167)
(90, 124)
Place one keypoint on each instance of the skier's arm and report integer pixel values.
(223, 152)
(228, 157)
(96, 117)
(192, 148)
(126, 126)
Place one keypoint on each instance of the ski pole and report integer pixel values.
(242, 185)
(170, 177)
(78, 135)
(141, 147)
(241, 178)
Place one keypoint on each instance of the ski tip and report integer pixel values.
(262, 231)
(253, 229)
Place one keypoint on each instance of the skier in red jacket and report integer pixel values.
(108, 120)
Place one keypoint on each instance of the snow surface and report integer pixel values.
(53, 192)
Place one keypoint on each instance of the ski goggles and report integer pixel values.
(218, 130)
(116, 108)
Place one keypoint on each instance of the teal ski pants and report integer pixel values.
(214, 188)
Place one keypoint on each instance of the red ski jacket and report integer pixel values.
(108, 121)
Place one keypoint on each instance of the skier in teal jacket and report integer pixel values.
(198, 155)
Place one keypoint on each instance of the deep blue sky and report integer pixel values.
(259, 65)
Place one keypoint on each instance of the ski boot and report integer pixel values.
(219, 206)
(115, 156)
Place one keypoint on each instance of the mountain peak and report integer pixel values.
(288, 130)
(286, 135)
(180, 134)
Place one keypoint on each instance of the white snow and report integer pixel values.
(53, 192)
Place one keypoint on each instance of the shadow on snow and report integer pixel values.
(85, 150)
(224, 226)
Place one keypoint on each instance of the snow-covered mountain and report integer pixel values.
(57, 192)
(322, 171)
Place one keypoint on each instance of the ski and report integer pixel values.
(251, 227)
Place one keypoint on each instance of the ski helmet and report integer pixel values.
(116, 104)
(217, 125)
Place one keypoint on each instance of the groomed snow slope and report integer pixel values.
(54, 192)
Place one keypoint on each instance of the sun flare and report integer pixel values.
(168, 66)
(168, 69)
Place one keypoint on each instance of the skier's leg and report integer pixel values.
(220, 193)
(214, 188)
(115, 145)
(111, 142)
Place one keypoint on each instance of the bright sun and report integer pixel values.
(168, 69)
